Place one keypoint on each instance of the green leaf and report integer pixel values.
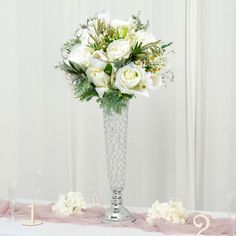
(124, 32)
(84, 90)
(121, 62)
(166, 45)
(68, 69)
(76, 67)
(108, 69)
(94, 39)
(70, 43)
(150, 45)
(114, 101)
(139, 24)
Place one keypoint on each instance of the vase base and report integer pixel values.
(115, 214)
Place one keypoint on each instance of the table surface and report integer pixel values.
(7, 228)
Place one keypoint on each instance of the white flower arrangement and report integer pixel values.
(172, 211)
(71, 203)
(114, 60)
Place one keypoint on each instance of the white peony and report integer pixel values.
(80, 54)
(169, 211)
(99, 59)
(71, 203)
(154, 81)
(119, 49)
(131, 79)
(144, 37)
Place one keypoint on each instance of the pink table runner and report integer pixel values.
(92, 216)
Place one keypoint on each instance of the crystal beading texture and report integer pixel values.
(115, 130)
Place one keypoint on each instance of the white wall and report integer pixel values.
(181, 140)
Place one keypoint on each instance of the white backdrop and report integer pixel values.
(181, 140)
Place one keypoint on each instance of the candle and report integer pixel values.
(32, 221)
(32, 215)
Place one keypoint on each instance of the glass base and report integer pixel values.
(117, 214)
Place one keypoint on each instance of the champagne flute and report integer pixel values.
(231, 202)
(12, 196)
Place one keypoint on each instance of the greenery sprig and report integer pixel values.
(114, 100)
(139, 24)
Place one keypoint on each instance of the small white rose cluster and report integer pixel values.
(120, 56)
(71, 203)
(172, 211)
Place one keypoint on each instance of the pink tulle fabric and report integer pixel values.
(92, 216)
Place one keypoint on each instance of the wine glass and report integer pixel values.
(12, 196)
(231, 202)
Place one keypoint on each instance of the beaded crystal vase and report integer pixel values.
(115, 130)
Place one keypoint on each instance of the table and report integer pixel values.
(7, 228)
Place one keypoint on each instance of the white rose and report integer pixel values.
(99, 59)
(119, 49)
(99, 78)
(80, 54)
(144, 37)
(131, 79)
(154, 81)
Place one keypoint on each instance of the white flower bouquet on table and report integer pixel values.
(172, 211)
(71, 203)
(114, 60)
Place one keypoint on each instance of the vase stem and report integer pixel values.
(116, 199)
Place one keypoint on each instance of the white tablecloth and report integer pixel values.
(7, 228)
